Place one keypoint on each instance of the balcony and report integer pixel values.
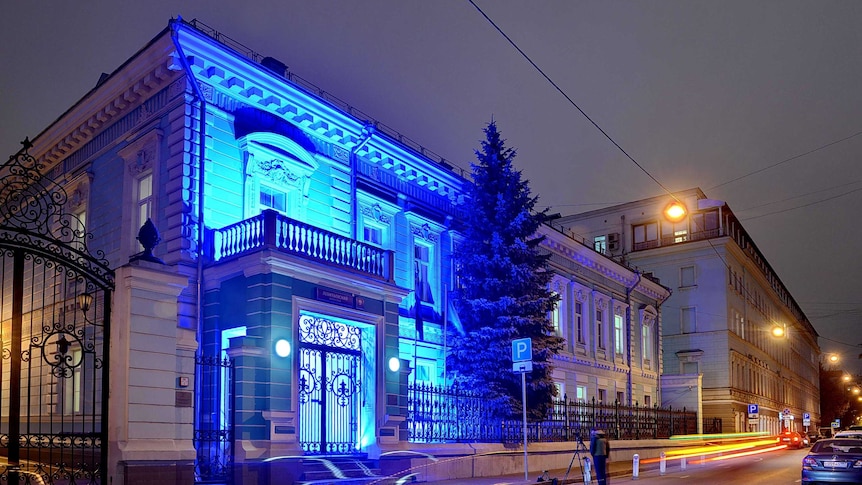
(272, 230)
(677, 239)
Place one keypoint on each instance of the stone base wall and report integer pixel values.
(161, 472)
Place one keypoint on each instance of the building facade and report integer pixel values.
(296, 269)
(732, 333)
(610, 317)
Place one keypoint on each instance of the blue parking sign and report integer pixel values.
(753, 409)
(522, 349)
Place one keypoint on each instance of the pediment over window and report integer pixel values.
(278, 160)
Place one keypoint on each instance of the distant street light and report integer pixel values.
(833, 358)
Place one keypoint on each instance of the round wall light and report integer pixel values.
(282, 348)
(675, 211)
(394, 364)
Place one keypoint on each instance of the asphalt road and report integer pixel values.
(774, 468)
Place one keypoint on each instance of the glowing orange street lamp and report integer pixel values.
(675, 211)
(778, 331)
(833, 358)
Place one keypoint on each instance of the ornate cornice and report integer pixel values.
(108, 102)
(219, 69)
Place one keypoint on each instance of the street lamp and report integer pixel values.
(833, 358)
(675, 211)
(778, 331)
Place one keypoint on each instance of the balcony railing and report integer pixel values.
(275, 231)
(677, 239)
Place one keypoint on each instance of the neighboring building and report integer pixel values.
(610, 317)
(299, 288)
(717, 325)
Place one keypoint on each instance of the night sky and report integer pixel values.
(758, 103)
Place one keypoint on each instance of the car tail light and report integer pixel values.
(856, 464)
(809, 462)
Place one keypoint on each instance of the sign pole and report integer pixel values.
(524, 403)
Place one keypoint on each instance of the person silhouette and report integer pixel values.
(600, 449)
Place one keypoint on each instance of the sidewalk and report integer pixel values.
(615, 469)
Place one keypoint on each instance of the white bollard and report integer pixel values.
(587, 467)
(662, 464)
(636, 465)
(682, 463)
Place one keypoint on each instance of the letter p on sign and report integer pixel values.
(522, 350)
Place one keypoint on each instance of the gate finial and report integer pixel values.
(148, 236)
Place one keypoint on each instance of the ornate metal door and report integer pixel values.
(329, 385)
(55, 302)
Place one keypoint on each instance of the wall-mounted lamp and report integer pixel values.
(84, 301)
(282, 348)
(675, 211)
(394, 364)
(778, 331)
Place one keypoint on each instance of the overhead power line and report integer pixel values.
(809, 152)
(570, 100)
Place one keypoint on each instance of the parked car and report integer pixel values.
(833, 460)
(826, 431)
(848, 434)
(813, 437)
(792, 439)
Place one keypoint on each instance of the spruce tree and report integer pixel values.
(504, 289)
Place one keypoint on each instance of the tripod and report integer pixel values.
(585, 467)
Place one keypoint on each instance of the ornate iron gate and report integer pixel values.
(214, 430)
(55, 302)
(329, 384)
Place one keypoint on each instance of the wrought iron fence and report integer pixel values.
(438, 415)
(214, 423)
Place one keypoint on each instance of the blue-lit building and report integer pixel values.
(305, 267)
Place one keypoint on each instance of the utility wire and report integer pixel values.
(570, 100)
(809, 152)
(603, 132)
(749, 295)
(801, 206)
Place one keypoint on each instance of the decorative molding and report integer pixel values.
(424, 231)
(376, 213)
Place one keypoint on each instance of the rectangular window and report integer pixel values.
(372, 235)
(271, 198)
(600, 334)
(688, 320)
(603, 395)
(676, 232)
(79, 226)
(619, 335)
(579, 321)
(557, 315)
(581, 393)
(645, 235)
(144, 189)
(646, 337)
(689, 368)
(71, 386)
(704, 222)
(421, 268)
(600, 244)
(647, 401)
(561, 390)
(686, 277)
(621, 397)
(425, 372)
